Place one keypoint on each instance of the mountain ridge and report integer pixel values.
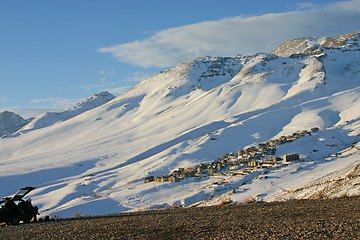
(50, 118)
(194, 113)
(11, 122)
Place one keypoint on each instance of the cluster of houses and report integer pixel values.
(242, 163)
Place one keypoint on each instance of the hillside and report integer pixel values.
(11, 122)
(50, 118)
(196, 112)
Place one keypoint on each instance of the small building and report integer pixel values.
(253, 154)
(262, 147)
(306, 132)
(276, 159)
(291, 157)
(315, 129)
(296, 135)
(173, 179)
(241, 152)
(235, 167)
(246, 158)
(162, 178)
(226, 156)
(272, 151)
(176, 173)
(233, 160)
(267, 165)
(275, 142)
(199, 169)
(251, 149)
(269, 160)
(189, 172)
(181, 175)
(211, 171)
(232, 157)
(149, 179)
(253, 164)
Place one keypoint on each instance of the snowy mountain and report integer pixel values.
(96, 162)
(50, 118)
(11, 122)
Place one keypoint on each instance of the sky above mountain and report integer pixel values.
(56, 53)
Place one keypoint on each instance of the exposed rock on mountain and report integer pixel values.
(311, 46)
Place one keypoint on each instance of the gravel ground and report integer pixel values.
(306, 219)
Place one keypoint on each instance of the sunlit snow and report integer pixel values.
(95, 162)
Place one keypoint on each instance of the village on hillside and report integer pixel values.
(244, 162)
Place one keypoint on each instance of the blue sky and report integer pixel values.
(53, 53)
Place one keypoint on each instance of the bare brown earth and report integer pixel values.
(306, 219)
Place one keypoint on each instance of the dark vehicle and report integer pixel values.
(14, 209)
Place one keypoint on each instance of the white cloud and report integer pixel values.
(91, 86)
(43, 105)
(32, 112)
(56, 102)
(3, 99)
(238, 35)
(302, 6)
(107, 73)
(103, 81)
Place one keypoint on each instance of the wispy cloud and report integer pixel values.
(103, 82)
(3, 99)
(238, 35)
(56, 102)
(42, 105)
(107, 72)
(32, 111)
(98, 85)
(302, 6)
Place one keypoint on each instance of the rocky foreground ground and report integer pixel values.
(306, 219)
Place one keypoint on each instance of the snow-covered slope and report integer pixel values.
(196, 112)
(11, 122)
(50, 118)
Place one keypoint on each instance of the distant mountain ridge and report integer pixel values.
(50, 118)
(11, 122)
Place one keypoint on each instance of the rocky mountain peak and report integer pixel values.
(11, 122)
(312, 46)
(100, 97)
